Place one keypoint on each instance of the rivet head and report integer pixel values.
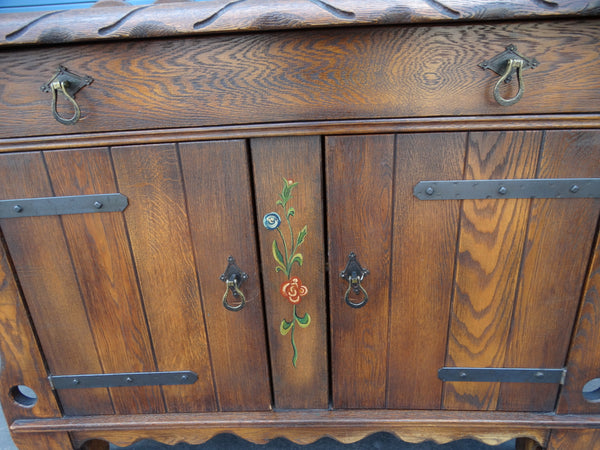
(574, 189)
(539, 375)
(502, 190)
(18, 208)
(129, 379)
(184, 377)
(429, 191)
(462, 374)
(76, 381)
(98, 205)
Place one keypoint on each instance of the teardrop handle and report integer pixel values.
(354, 274)
(505, 64)
(513, 64)
(233, 278)
(68, 84)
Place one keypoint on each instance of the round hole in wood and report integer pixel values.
(591, 391)
(23, 396)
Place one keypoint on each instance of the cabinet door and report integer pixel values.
(139, 291)
(457, 283)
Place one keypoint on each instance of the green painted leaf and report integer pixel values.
(303, 321)
(297, 258)
(277, 254)
(285, 327)
(301, 236)
(291, 212)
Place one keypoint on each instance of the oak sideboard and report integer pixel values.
(300, 219)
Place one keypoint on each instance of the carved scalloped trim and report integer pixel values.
(170, 19)
(197, 437)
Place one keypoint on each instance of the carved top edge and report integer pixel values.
(217, 16)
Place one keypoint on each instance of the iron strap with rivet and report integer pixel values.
(513, 188)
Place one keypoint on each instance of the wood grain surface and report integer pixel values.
(158, 227)
(424, 250)
(22, 361)
(125, 21)
(368, 73)
(218, 193)
(359, 173)
(42, 259)
(490, 246)
(103, 263)
(298, 159)
(557, 250)
(307, 426)
(581, 439)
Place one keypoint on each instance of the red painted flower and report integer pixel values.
(293, 289)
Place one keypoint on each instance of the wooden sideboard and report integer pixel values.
(237, 158)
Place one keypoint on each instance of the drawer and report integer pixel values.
(371, 72)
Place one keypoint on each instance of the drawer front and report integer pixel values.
(374, 72)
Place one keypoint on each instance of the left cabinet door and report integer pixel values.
(139, 290)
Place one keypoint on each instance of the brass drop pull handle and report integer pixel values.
(507, 64)
(67, 84)
(233, 278)
(354, 274)
(516, 65)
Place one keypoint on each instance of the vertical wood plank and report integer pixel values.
(359, 213)
(21, 360)
(492, 235)
(219, 196)
(149, 175)
(424, 250)
(583, 362)
(39, 251)
(557, 251)
(277, 160)
(574, 439)
(104, 267)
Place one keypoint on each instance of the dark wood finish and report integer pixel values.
(43, 264)
(18, 344)
(218, 193)
(553, 270)
(159, 232)
(219, 16)
(490, 246)
(333, 127)
(359, 174)
(103, 263)
(297, 159)
(307, 426)
(95, 444)
(584, 439)
(526, 444)
(50, 441)
(277, 77)
(582, 362)
(485, 283)
(422, 285)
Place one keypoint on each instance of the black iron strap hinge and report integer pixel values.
(501, 189)
(502, 375)
(122, 379)
(53, 206)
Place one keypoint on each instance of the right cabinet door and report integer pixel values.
(491, 283)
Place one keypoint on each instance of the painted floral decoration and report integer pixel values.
(292, 288)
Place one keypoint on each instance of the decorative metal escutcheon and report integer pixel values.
(68, 84)
(507, 64)
(354, 274)
(233, 278)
